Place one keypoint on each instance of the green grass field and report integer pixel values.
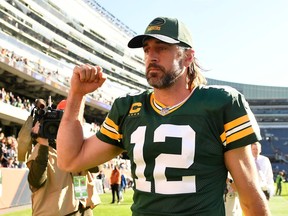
(278, 205)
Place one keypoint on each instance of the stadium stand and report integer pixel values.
(40, 44)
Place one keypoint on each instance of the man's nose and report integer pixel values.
(153, 56)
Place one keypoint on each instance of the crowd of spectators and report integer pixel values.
(38, 66)
(21, 62)
(8, 143)
(17, 101)
(8, 151)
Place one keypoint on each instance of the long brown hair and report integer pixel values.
(194, 75)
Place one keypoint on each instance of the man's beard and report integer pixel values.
(166, 78)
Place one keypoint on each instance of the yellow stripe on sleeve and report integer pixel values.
(239, 135)
(115, 136)
(236, 122)
(111, 123)
(223, 137)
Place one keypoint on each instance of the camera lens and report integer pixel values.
(52, 129)
(41, 112)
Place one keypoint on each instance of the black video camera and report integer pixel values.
(49, 120)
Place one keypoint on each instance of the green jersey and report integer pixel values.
(177, 153)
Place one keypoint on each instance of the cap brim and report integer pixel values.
(137, 41)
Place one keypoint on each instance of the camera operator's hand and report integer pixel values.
(40, 140)
(86, 78)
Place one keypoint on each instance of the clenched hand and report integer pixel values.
(86, 79)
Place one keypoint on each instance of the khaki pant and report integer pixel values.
(232, 205)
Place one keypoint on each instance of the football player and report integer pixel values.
(181, 136)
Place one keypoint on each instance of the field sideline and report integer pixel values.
(278, 205)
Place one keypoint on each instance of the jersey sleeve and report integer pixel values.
(110, 130)
(240, 125)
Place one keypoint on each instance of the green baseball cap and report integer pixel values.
(169, 30)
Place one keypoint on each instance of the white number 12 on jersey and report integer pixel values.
(183, 160)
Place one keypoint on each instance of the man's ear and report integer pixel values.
(189, 57)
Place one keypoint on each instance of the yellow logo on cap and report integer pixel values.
(154, 28)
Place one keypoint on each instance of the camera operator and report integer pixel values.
(54, 191)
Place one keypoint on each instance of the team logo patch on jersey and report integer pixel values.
(135, 109)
